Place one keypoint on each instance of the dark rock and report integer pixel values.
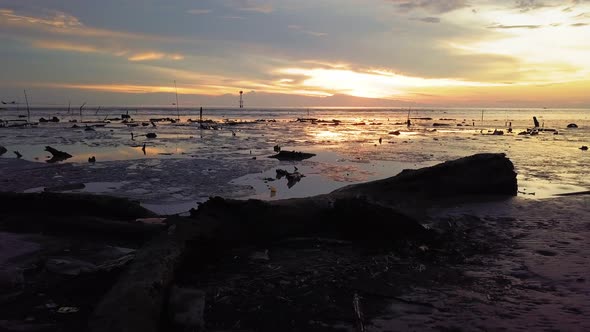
(584, 148)
(92, 159)
(396, 132)
(440, 124)
(572, 125)
(292, 155)
(3, 150)
(277, 148)
(151, 135)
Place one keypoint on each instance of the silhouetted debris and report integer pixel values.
(440, 124)
(3, 150)
(395, 132)
(292, 178)
(277, 148)
(572, 125)
(421, 118)
(92, 159)
(89, 128)
(151, 135)
(584, 148)
(536, 122)
(18, 155)
(292, 155)
(57, 155)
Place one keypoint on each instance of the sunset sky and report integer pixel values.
(508, 53)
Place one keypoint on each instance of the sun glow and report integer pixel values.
(371, 83)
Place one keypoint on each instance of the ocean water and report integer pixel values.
(359, 146)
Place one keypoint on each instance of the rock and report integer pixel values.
(396, 133)
(187, 307)
(584, 148)
(572, 125)
(277, 148)
(292, 155)
(89, 129)
(151, 135)
(3, 150)
(440, 124)
(92, 159)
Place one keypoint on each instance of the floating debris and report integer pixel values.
(292, 155)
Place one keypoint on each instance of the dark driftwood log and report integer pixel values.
(292, 155)
(57, 155)
(54, 204)
(135, 303)
(359, 212)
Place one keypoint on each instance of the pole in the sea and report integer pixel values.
(28, 109)
(177, 111)
(241, 99)
(482, 117)
(201, 115)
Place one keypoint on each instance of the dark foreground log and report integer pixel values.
(55, 204)
(359, 212)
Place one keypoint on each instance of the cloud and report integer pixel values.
(54, 19)
(199, 11)
(308, 32)
(428, 19)
(522, 26)
(435, 6)
(148, 56)
(250, 6)
(529, 5)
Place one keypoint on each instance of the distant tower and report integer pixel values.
(241, 99)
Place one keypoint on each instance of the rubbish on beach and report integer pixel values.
(292, 155)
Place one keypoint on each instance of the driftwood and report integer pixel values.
(54, 204)
(358, 212)
(292, 155)
(57, 155)
(383, 209)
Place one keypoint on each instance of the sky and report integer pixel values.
(386, 53)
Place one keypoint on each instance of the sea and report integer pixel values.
(229, 154)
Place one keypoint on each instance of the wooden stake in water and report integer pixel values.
(28, 109)
(482, 118)
(177, 111)
(81, 107)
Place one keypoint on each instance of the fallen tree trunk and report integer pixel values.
(56, 204)
(378, 210)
